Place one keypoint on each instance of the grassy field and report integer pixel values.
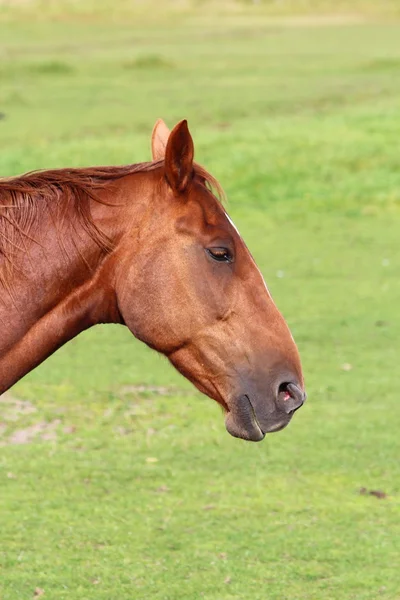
(117, 479)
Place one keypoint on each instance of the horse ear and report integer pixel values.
(179, 157)
(159, 139)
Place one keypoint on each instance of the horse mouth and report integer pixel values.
(241, 421)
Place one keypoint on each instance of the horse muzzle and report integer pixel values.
(250, 416)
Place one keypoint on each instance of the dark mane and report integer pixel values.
(23, 198)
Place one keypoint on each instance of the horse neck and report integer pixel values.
(64, 294)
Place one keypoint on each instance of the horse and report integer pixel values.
(149, 246)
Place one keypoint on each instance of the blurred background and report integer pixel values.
(118, 479)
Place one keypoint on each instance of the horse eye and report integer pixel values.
(220, 254)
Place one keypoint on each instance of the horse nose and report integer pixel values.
(290, 397)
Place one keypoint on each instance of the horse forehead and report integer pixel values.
(212, 212)
(207, 208)
(221, 220)
(232, 223)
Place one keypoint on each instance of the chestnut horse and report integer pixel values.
(151, 247)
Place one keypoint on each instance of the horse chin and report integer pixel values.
(235, 428)
(241, 421)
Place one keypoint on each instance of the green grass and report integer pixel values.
(127, 485)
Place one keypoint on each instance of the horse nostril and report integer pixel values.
(290, 397)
